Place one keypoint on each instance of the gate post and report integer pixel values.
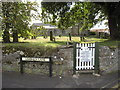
(74, 58)
(50, 67)
(97, 71)
(21, 65)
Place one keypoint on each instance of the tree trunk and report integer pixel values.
(69, 36)
(82, 36)
(33, 37)
(78, 30)
(6, 35)
(72, 31)
(51, 36)
(118, 25)
(99, 34)
(114, 33)
(15, 36)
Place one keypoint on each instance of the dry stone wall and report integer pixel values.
(108, 59)
(62, 62)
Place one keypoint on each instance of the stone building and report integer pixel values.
(101, 32)
(74, 30)
(56, 31)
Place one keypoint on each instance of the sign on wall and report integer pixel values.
(85, 54)
(35, 59)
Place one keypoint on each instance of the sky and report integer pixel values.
(97, 26)
(100, 25)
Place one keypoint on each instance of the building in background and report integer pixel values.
(101, 33)
(56, 31)
(99, 30)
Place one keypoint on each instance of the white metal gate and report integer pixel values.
(85, 56)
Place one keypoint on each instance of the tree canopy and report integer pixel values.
(112, 11)
(15, 19)
(83, 13)
(52, 11)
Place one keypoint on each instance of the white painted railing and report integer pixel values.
(85, 56)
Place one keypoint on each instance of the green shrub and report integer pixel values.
(92, 33)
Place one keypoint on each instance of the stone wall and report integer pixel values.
(108, 58)
(62, 62)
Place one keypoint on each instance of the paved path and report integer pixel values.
(16, 80)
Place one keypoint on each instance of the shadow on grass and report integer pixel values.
(110, 43)
(15, 42)
(58, 42)
(22, 45)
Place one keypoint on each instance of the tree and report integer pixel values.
(5, 22)
(51, 36)
(111, 10)
(43, 32)
(38, 31)
(51, 11)
(15, 19)
(83, 14)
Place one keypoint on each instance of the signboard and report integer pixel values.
(85, 54)
(35, 59)
(32, 59)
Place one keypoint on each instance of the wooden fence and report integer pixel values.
(86, 57)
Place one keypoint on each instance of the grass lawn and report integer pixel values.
(40, 41)
(45, 47)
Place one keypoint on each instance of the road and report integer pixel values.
(16, 80)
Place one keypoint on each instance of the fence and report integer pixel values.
(86, 57)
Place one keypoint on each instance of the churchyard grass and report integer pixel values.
(40, 41)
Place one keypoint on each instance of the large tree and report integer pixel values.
(15, 19)
(6, 21)
(112, 11)
(85, 13)
(82, 14)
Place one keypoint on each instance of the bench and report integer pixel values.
(33, 59)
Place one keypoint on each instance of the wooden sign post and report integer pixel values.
(32, 59)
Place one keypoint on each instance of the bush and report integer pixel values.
(92, 33)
